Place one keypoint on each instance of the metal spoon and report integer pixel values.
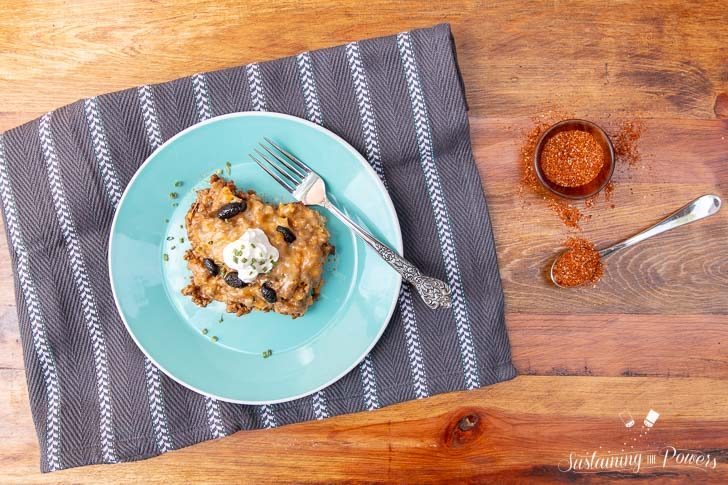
(702, 207)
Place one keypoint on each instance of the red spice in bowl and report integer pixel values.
(572, 158)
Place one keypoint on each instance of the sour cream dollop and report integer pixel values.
(250, 255)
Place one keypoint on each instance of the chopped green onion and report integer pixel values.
(214, 338)
(204, 331)
(178, 183)
(267, 353)
(228, 167)
(181, 240)
(165, 257)
(173, 195)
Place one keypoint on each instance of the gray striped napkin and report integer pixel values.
(95, 398)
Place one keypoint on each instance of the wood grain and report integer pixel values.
(619, 345)
(516, 431)
(650, 335)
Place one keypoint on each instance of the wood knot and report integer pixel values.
(463, 428)
(721, 106)
(468, 422)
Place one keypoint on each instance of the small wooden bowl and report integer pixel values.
(599, 182)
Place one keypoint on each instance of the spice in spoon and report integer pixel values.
(572, 158)
(579, 264)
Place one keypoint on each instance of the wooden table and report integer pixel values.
(652, 335)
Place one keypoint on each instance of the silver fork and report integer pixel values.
(306, 186)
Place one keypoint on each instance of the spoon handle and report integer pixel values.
(702, 207)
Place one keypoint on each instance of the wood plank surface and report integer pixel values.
(518, 431)
(651, 335)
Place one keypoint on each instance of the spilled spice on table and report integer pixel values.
(589, 203)
(528, 173)
(625, 142)
(608, 191)
(569, 214)
(579, 264)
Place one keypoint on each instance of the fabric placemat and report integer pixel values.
(399, 100)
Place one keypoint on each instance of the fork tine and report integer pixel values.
(275, 177)
(278, 169)
(290, 156)
(286, 164)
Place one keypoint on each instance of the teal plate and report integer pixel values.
(309, 353)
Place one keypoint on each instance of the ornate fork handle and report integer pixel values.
(434, 293)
